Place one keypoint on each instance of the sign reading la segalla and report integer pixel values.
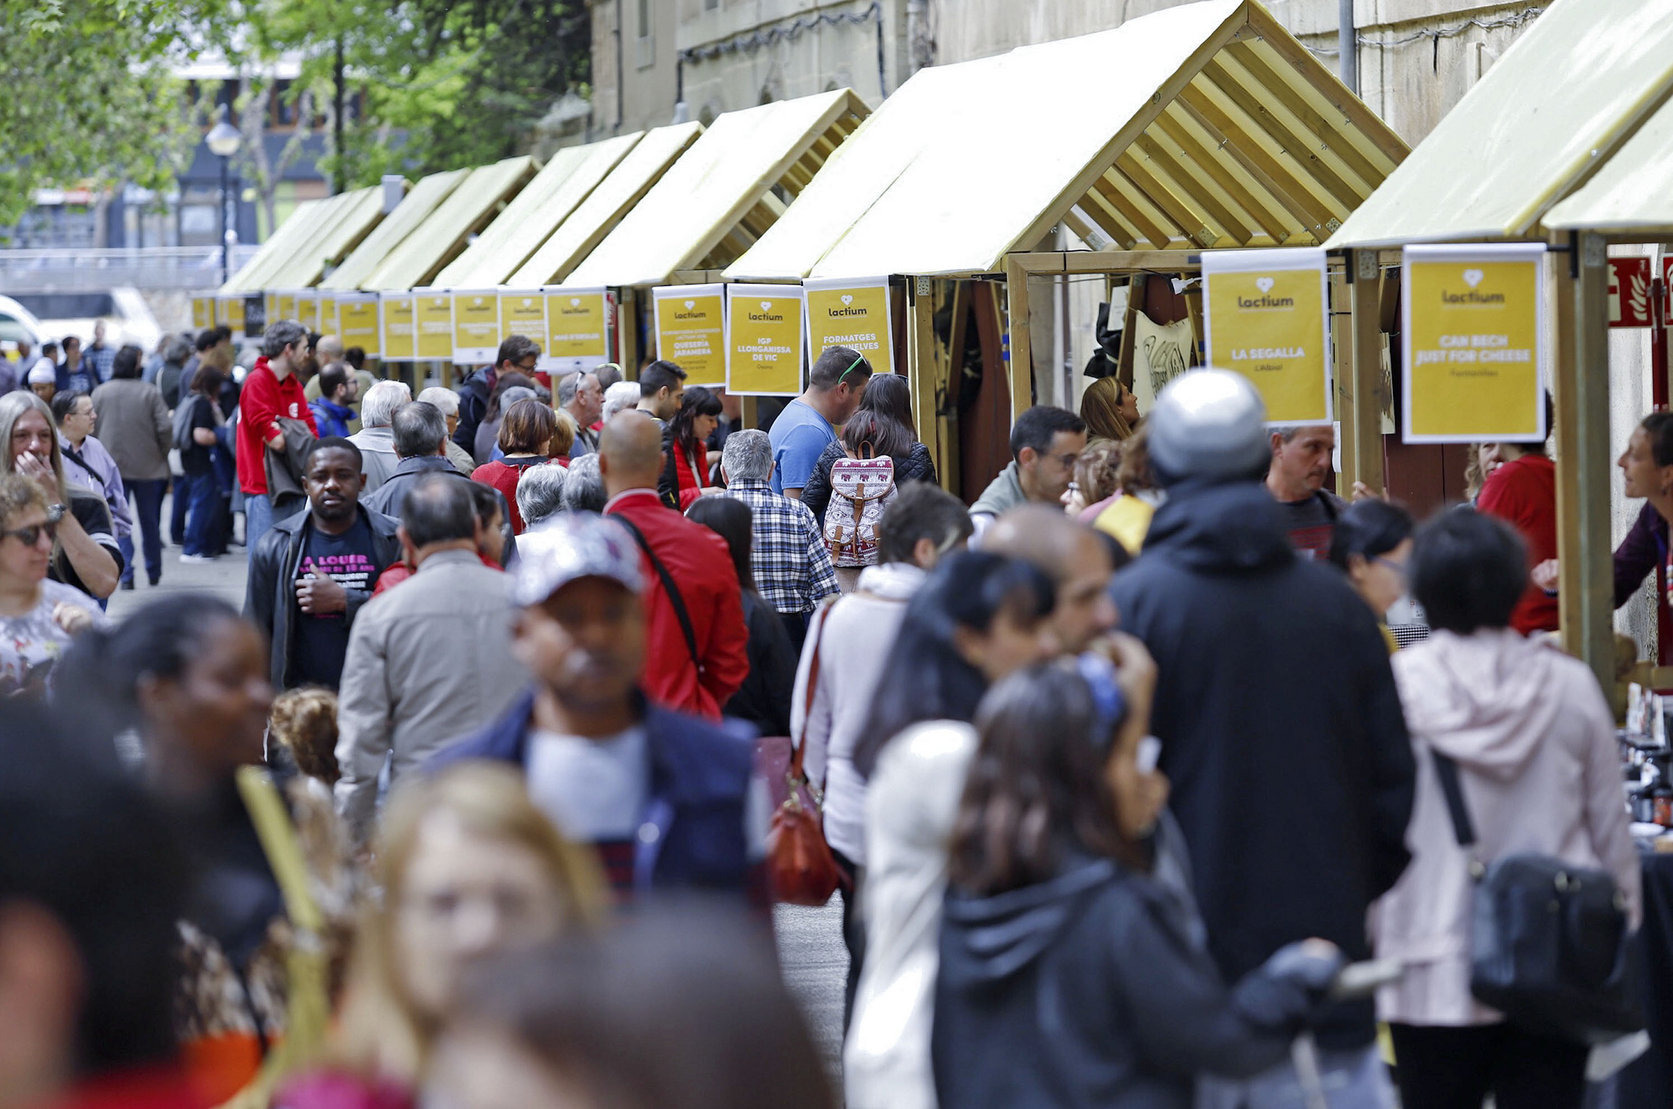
(1266, 319)
(1475, 348)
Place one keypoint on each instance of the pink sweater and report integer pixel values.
(1535, 746)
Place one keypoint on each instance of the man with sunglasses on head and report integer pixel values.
(1045, 443)
(808, 423)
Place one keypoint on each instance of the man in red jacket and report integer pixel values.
(1522, 492)
(696, 663)
(270, 391)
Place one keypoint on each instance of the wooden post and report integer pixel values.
(1583, 457)
(627, 319)
(1019, 345)
(1362, 450)
(920, 365)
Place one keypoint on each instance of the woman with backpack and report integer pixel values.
(887, 404)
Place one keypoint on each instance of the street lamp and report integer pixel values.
(223, 140)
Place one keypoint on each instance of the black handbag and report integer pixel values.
(1549, 946)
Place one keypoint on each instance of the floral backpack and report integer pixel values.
(861, 488)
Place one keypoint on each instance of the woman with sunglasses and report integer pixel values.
(37, 617)
(87, 555)
(1372, 545)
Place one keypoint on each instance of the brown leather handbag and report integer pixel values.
(800, 867)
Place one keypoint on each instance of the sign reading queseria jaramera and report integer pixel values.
(844, 312)
(691, 330)
(1476, 355)
(1265, 318)
(764, 340)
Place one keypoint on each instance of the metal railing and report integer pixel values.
(160, 267)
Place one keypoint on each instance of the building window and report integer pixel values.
(645, 43)
(644, 19)
(710, 5)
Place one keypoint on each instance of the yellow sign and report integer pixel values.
(854, 314)
(764, 340)
(231, 312)
(203, 312)
(433, 316)
(357, 321)
(328, 320)
(1475, 351)
(524, 314)
(307, 309)
(1266, 319)
(577, 328)
(397, 331)
(691, 330)
(476, 326)
(271, 302)
(286, 306)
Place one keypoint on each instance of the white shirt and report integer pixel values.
(594, 790)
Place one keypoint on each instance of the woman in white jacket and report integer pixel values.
(1535, 747)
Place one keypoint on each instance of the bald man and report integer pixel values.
(1075, 558)
(695, 656)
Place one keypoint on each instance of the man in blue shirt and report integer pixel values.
(339, 389)
(808, 423)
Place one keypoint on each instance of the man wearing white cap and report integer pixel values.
(43, 379)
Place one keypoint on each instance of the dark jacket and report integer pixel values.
(270, 597)
(1091, 990)
(918, 465)
(764, 699)
(691, 835)
(1642, 552)
(473, 405)
(1281, 731)
(387, 497)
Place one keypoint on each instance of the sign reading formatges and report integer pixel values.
(1475, 343)
(842, 312)
(524, 313)
(230, 311)
(1265, 318)
(397, 330)
(432, 314)
(764, 340)
(476, 325)
(577, 328)
(691, 330)
(357, 321)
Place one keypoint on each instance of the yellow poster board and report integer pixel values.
(843, 312)
(476, 325)
(286, 305)
(577, 328)
(691, 330)
(329, 323)
(271, 301)
(230, 311)
(397, 329)
(1265, 317)
(203, 312)
(432, 314)
(523, 312)
(1476, 353)
(307, 308)
(357, 321)
(764, 340)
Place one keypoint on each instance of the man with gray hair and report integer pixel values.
(793, 570)
(619, 398)
(583, 486)
(447, 402)
(376, 437)
(540, 493)
(580, 396)
(418, 430)
(271, 393)
(428, 660)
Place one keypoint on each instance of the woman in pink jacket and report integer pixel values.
(1535, 747)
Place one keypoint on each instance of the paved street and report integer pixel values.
(809, 940)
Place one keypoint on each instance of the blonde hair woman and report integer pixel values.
(1110, 409)
(468, 867)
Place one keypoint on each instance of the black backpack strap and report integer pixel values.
(668, 587)
(1453, 790)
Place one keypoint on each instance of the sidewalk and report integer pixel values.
(224, 577)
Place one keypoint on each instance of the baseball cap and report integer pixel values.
(1209, 425)
(43, 373)
(571, 546)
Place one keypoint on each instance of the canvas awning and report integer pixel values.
(720, 196)
(412, 211)
(288, 238)
(440, 238)
(1577, 82)
(594, 217)
(1205, 125)
(332, 239)
(535, 213)
(1632, 194)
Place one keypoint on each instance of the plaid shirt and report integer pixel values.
(793, 569)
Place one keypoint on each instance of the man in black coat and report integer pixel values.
(311, 573)
(1280, 723)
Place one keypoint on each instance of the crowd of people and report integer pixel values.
(1119, 767)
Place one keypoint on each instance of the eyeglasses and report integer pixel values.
(31, 535)
(850, 368)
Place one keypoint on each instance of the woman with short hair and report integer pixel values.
(526, 434)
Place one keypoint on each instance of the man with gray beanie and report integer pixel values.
(1280, 724)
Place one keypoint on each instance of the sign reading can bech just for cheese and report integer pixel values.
(577, 328)
(691, 330)
(397, 327)
(1475, 348)
(842, 312)
(1265, 318)
(764, 340)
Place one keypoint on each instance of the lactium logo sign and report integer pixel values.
(764, 340)
(844, 312)
(1266, 319)
(1475, 350)
(691, 330)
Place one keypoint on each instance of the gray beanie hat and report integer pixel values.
(1209, 425)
